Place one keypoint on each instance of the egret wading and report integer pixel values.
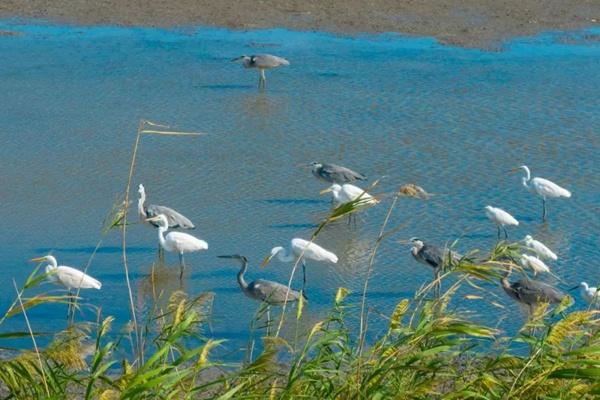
(261, 62)
(178, 242)
(68, 277)
(333, 173)
(589, 293)
(433, 257)
(303, 250)
(501, 218)
(542, 187)
(529, 292)
(347, 193)
(539, 248)
(537, 265)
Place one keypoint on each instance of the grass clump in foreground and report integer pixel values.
(429, 350)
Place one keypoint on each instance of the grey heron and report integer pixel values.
(542, 187)
(303, 249)
(261, 62)
(333, 173)
(175, 219)
(273, 293)
(68, 277)
(432, 256)
(529, 292)
(178, 242)
(501, 218)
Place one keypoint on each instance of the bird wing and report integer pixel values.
(313, 251)
(186, 242)
(269, 61)
(549, 188)
(176, 220)
(531, 292)
(73, 278)
(432, 255)
(272, 292)
(338, 174)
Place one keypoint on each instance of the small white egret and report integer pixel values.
(347, 193)
(262, 62)
(68, 277)
(539, 248)
(306, 250)
(178, 242)
(542, 187)
(589, 293)
(537, 265)
(501, 218)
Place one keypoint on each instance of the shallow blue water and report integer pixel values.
(410, 110)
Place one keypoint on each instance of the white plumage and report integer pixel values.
(543, 188)
(588, 293)
(537, 265)
(347, 193)
(501, 218)
(540, 248)
(68, 277)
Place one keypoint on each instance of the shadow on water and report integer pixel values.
(224, 87)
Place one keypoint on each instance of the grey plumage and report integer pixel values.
(273, 293)
(333, 173)
(530, 292)
(434, 257)
(261, 62)
(175, 219)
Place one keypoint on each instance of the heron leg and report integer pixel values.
(303, 275)
(269, 320)
(181, 266)
(498, 232)
(505, 233)
(437, 283)
(544, 210)
(262, 80)
(69, 305)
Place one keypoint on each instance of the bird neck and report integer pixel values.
(527, 176)
(285, 256)
(141, 201)
(240, 276)
(161, 235)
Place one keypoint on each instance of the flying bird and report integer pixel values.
(542, 187)
(539, 248)
(333, 173)
(178, 242)
(68, 277)
(303, 250)
(261, 62)
(501, 218)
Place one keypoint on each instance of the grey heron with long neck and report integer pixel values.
(261, 62)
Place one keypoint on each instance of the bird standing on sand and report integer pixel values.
(178, 242)
(542, 187)
(303, 249)
(68, 277)
(333, 173)
(261, 62)
(501, 218)
(539, 248)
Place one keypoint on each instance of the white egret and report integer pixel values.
(539, 248)
(347, 193)
(262, 62)
(537, 265)
(303, 249)
(501, 218)
(68, 277)
(178, 242)
(589, 293)
(542, 187)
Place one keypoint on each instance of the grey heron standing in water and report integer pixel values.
(269, 292)
(529, 292)
(333, 173)
(261, 62)
(432, 256)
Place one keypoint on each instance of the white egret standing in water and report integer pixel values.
(539, 248)
(537, 265)
(542, 187)
(306, 250)
(68, 277)
(178, 242)
(589, 293)
(501, 218)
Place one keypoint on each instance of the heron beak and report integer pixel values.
(514, 170)
(322, 192)
(225, 257)
(152, 219)
(573, 288)
(404, 241)
(266, 261)
(236, 59)
(38, 259)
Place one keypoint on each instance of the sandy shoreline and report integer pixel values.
(470, 23)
